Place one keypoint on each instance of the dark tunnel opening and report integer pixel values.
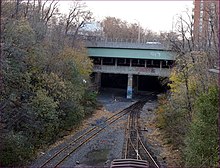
(141, 82)
(150, 83)
(114, 81)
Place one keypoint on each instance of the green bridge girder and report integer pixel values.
(152, 54)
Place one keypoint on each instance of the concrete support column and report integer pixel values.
(129, 87)
(134, 84)
(130, 62)
(160, 65)
(116, 62)
(145, 63)
(98, 79)
(101, 61)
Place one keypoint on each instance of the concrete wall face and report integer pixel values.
(132, 70)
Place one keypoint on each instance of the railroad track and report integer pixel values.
(134, 146)
(60, 156)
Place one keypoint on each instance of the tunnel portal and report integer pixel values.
(114, 81)
(140, 83)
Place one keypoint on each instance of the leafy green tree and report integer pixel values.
(45, 111)
(202, 139)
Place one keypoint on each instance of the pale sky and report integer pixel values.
(154, 15)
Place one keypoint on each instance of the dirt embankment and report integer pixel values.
(155, 137)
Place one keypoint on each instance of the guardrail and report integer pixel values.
(125, 45)
(91, 41)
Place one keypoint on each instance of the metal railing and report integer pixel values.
(92, 41)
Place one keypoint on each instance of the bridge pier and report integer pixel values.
(129, 87)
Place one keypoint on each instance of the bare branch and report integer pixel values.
(42, 9)
(50, 14)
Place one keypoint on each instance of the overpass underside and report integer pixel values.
(133, 71)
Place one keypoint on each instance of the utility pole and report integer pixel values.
(139, 32)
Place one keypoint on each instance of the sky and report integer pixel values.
(154, 15)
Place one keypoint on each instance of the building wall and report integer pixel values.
(204, 13)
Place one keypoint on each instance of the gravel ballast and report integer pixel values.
(108, 144)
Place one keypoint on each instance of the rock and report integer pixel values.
(107, 161)
(77, 162)
(149, 109)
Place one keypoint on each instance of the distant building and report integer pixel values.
(206, 21)
(92, 28)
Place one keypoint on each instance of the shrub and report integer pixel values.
(202, 139)
(44, 108)
(16, 149)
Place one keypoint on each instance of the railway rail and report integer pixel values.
(134, 146)
(60, 156)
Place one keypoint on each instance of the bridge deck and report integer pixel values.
(131, 53)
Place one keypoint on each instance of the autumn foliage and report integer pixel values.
(188, 114)
(45, 82)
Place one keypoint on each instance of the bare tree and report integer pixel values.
(27, 9)
(77, 17)
(117, 29)
(17, 6)
(189, 40)
(195, 54)
(47, 13)
(211, 38)
(184, 30)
